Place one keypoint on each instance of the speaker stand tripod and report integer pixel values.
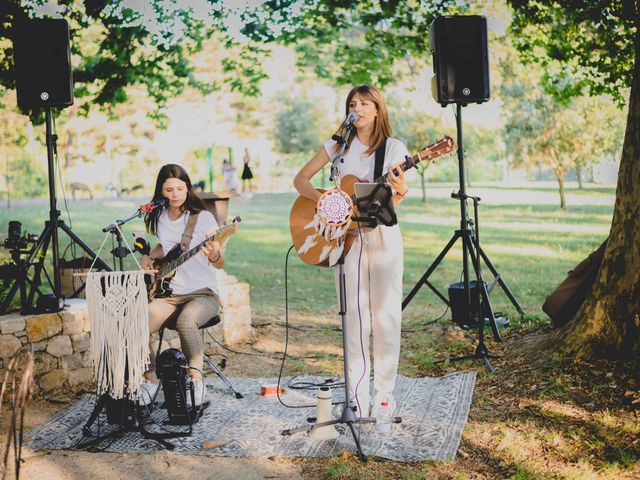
(468, 248)
(49, 236)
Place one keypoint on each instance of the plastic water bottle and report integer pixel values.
(383, 418)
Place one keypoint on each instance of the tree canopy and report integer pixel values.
(118, 44)
(583, 45)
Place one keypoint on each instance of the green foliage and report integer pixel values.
(300, 125)
(28, 177)
(581, 45)
(120, 44)
(349, 42)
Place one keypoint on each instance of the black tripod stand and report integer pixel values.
(469, 247)
(49, 236)
(124, 412)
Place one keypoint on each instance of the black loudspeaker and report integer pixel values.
(460, 59)
(463, 314)
(42, 59)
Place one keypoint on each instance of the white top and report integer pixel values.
(358, 163)
(196, 273)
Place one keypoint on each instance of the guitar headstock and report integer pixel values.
(437, 149)
(226, 231)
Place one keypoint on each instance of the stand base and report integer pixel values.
(123, 412)
(481, 353)
(348, 417)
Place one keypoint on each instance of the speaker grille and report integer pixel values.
(42, 61)
(460, 59)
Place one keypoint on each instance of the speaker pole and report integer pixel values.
(463, 205)
(53, 211)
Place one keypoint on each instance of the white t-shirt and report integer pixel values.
(196, 273)
(361, 165)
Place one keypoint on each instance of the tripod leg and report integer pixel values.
(501, 282)
(430, 270)
(100, 404)
(361, 454)
(41, 250)
(99, 262)
(485, 308)
(7, 300)
(218, 372)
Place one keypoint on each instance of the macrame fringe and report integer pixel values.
(118, 310)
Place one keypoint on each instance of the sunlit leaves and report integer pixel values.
(586, 43)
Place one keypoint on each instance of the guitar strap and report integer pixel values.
(380, 151)
(188, 231)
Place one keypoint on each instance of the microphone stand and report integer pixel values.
(125, 412)
(339, 158)
(121, 252)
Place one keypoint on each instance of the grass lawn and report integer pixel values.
(530, 241)
(528, 421)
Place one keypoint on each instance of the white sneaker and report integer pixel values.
(199, 393)
(147, 392)
(383, 407)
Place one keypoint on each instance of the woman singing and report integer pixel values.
(194, 298)
(374, 265)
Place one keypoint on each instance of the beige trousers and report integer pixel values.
(374, 306)
(189, 312)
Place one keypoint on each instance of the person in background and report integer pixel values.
(247, 174)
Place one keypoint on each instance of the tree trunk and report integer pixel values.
(579, 176)
(423, 187)
(559, 171)
(608, 323)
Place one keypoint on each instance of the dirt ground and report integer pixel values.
(529, 420)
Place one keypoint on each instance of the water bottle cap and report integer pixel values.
(384, 404)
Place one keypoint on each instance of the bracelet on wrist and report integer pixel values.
(218, 258)
(402, 195)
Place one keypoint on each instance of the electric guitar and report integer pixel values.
(314, 249)
(166, 267)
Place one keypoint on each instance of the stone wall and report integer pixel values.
(62, 340)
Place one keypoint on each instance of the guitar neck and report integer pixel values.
(406, 165)
(174, 264)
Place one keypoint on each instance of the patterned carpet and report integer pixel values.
(433, 410)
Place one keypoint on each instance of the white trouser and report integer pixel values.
(374, 305)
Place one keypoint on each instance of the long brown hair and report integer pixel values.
(193, 203)
(381, 125)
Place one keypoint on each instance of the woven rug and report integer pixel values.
(433, 411)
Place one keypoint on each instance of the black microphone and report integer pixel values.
(352, 117)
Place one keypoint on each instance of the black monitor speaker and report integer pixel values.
(460, 59)
(42, 59)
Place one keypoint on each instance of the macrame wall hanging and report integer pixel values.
(118, 311)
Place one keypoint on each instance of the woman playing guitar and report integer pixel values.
(374, 264)
(193, 300)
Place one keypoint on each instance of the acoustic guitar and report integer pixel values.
(313, 248)
(166, 267)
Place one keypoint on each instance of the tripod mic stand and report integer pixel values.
(122, 411)
(375, 201)
(49, 236)
(468, 247)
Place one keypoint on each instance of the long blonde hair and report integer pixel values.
(381, 125)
